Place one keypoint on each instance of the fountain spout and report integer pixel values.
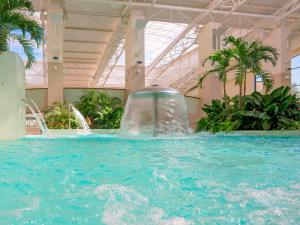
(155, 111)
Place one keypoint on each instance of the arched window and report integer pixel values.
(295, 75)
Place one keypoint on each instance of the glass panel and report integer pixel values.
(258, 84)
(295, 75)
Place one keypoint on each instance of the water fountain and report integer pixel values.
(83, 124)
(34, 109)
(84, 127)
(155, 111)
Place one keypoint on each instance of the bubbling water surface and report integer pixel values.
(109, 180)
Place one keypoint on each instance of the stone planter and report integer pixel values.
(12, 95)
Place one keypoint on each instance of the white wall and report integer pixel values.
(12, 96)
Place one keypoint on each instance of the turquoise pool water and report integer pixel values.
(108, 180)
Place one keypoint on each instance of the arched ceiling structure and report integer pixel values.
(94, 28)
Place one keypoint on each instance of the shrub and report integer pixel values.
(58, 115)
(100, 110)
(278, 110)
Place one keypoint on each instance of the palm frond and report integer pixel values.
(4, 36)
(28, 48)
(267, 81)
(17, 20)
(9, 5)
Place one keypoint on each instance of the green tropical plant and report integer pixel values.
(221, 116)
(249, 56)
(58, 116)
(221, 61)
(278, 110)
(100, 110)
(14, 16)
(270, 111)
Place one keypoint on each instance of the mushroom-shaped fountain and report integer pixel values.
(155, 111)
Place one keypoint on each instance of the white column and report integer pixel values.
(212, 87)
(279, 39)
(55, 29)
(135, 52)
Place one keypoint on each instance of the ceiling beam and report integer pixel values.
(88, 29)
(178, 7)
(88, 59)
(183, 34)
(86, 42)
(84, 52)
(111, 48)
(87, 13)
(281, 13)
(71, 61)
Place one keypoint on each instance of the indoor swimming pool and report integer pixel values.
(102, 179)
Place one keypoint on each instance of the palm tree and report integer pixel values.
(239, 49)
(249, 56)
(221, 61)
(14, 17)
(258, 53)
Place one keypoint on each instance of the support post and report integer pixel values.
(135, 52)
(278, 39)
(212, 87)
(55, 29)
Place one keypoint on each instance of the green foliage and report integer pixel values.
(57, 117)
(243, 57)
(278, 110)
(220, 117)
(220, 61)
(15, 15)
(248, 57)
(100, 110)
(270, 110)
(205, 124)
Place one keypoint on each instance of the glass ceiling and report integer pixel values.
(158, 35)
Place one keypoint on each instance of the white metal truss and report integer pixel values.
(187, 38)
(111, 54)
(179, 49)
(168, 52)
(282, 13)
(189, 80)
(114, 60)
(230, 4)
(181, 8)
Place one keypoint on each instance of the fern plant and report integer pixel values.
(14, 16)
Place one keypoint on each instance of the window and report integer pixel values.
(295, 75)
(258, 84)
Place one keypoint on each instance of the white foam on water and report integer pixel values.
(125, 206)
(34, 204)
(278, 203)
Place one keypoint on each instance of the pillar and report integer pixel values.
(211, 87)
(278, 38)
(55, 29)
(135, 52)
